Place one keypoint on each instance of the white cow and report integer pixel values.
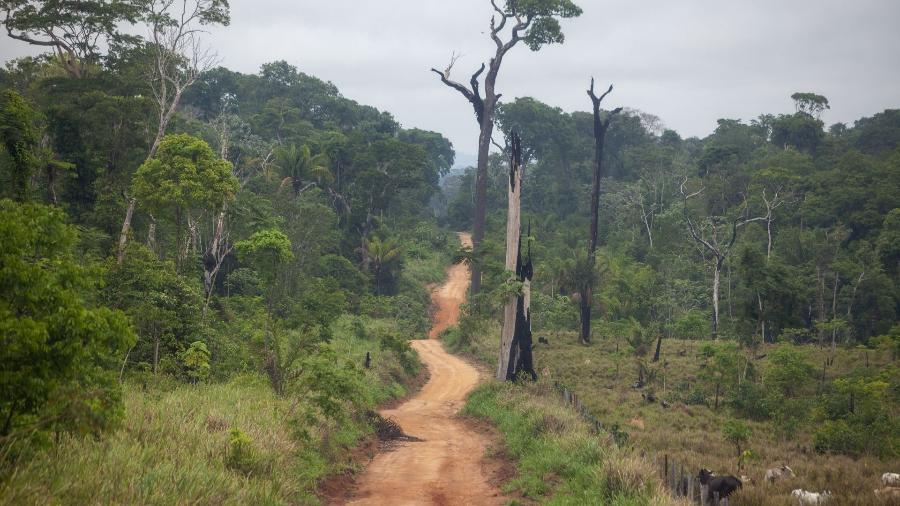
(804, 497)
(890, 479)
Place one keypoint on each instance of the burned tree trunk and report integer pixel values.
(515, 336)
(600, 128)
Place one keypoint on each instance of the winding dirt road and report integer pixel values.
(446, 466)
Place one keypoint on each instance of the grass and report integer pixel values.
(692, 434)
(559, 461)
(175, 445)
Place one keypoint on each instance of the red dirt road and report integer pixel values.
(446, 467)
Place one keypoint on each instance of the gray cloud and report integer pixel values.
(689, 62)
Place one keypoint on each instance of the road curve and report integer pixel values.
(446, 467)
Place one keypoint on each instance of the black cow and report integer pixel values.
(723, 486)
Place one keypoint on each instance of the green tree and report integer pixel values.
(811, 104)
(534, 22)
(737, 434)
(74, 30)
(182, 182)
(19, 138)
(59, 349)
(164, 307)
(788, 372)
(196, 361)
(299, 165)
(382, 256)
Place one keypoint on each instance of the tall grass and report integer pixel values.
(558, 460)
(692, 433)
(177, 446)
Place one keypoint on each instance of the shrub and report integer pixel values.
(196, 361)
(240, 452)
(60, 351)
(736, 433)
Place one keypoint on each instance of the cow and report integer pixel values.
(713, 487)
(775, 474)
(890, 479)
(809, 498)
(888, 493)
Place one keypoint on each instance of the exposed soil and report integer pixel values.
(447, 466)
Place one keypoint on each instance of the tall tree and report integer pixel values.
(601, 125)
(74, 30)
(715, 241)
(179, 59)
(185, 180)
(536, 22)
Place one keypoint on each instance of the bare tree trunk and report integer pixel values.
(213, 258)
(715, 300)
(513, 230)
(820, 295)
(156, 354)
(126, 225)
(762, 317)
(600, 128)
(478, 219)
(151, 234)
(837, 280)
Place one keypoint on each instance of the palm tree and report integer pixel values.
(379, 254)
(299, 165)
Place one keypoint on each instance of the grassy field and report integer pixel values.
(179, 443)
(559, 461)
(692, 434)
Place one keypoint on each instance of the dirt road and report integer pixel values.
(446, 467)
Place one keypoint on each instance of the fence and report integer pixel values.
(677, 477)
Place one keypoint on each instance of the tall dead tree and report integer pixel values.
(715, 244)
(521, 17)
(601, 125)
(515, 336)
(178, 61)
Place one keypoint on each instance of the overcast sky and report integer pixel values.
(689, 62)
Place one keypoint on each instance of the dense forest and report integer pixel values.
(776, 231)
(209, 279)
(272, 227)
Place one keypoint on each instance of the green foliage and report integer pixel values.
(737, 434)
(240, 456)
(163, 306)
(266, 250)
(76, 29)
(789, 372)
(19, 138)
(299, 165)
(59, 348)
(196, 361)
(545, 438)
(858, 416)
(543, 15)
(184, 180)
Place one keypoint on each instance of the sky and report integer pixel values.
(689, 62)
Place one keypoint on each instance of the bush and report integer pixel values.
(736, 433)
(60, 350)
(749, 401)
(196, 361)
(240, 452)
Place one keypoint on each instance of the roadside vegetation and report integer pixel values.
(558, 459)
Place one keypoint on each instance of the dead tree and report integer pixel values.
(715, 244)
(600, 127)
(485, 107)
(178, 60)
(515, 336)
